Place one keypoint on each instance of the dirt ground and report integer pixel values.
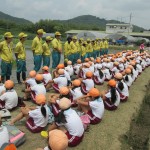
(104, 136)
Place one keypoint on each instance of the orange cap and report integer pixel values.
(86, 59)
(76, 82)
(132, 63)
(38, 77)
(127, 70)
(130, 66)
(9, 84)
(40, 99)
(58, 140)
(60, 71)
(64, 91)
(69, 62)
(60, 66)
(98, 60)
(64, 103)
(79, 61)
(112, 83)
(89, 74)
(118, 76)
(32, 73)
(45, 68)
(94, 92)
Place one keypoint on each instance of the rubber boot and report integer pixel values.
(7, 78)
(18, 78)
(23, 76)
(3, 79)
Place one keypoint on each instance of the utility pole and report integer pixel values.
(129, 23)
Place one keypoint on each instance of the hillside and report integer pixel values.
(16, 20)
(89, 20)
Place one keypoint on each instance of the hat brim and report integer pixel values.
(11, 36)
(58, 34)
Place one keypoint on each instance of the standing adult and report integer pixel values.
(102, 47)
(106, 44)
(46, 51)
(37, 49)
(57, 50)
(20, 54)
(6, 52)
(67, 49)
(142, 46)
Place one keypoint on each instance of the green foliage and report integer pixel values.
(12, 19)
(85, 22)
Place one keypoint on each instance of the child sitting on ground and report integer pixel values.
(36, 117)
(71, 121)
(37, 89)
(111, 97)
(87, 83)
(9, 99)
(46, 77)
(121, 87)
(92, 105)
(59, 81)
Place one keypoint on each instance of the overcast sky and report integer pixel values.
(35, 10)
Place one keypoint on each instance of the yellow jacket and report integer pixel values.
(73, 47)
(56, 44)
(6, 51)
(20, 50)
(102, 44)
(46, 49)
(89, 47)
(83, 50)
(106, 44)
(67, 48)
(37, 46)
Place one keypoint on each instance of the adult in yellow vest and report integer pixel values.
(89, 49)
(94, 46)
(106, 44)
(57, 49)
(6, 53)
(67, 48)
(97, 47)
(47, 51)
(37, 49)
(83, 50)
(20, 54)
(102, 47)
(76, 50)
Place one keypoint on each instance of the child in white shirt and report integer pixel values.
(9, 99)
(87, 83)
(36, 117)
(92, 105)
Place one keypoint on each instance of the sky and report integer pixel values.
(34, 10)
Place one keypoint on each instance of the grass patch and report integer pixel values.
(138, 136)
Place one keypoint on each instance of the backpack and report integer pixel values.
(16, 136)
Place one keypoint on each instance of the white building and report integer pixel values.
(119, 28)
(86, 34)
